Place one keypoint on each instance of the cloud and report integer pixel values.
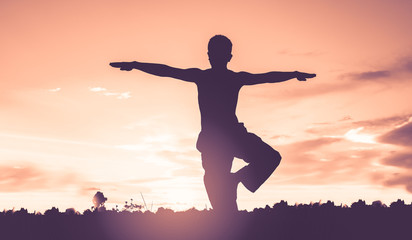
(392, 72)
(134, 147)
(289, 52)
(403, 160)
(97, 89)
(313, 144)
(328, 166)
(124, 95)
(404, 64)
(186, 164)
(330, 160)
(397, 72)
(400, 180)
(55, 89)
(378, 123)
(370, 127)
(88, 191)
(105, 92)
(285, 92)
(370, 75)
(371, 164)
(354, 135)
(147, 180)
(407, 65)
(20, 178)
(91, 189)
(346, 118)
(399, 136)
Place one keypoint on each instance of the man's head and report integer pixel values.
(219, 51)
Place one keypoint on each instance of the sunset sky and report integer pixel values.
(71, 125)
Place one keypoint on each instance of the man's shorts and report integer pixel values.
(233, 141)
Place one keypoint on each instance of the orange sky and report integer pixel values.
(71, 125)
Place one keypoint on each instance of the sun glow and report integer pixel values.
(184, 194)
(354, 135)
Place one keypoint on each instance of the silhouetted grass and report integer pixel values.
(281, 221)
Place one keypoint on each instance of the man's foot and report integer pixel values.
(244, 176)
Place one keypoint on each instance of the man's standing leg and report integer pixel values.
(220, 183)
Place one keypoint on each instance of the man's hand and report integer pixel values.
(301, 76)
(124, 66)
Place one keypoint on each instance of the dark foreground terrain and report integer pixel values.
(315, 221)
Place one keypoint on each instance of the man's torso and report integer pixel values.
(218, 93)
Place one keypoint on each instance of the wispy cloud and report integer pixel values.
(294, 53)
(55, 90)
(105, 92)
(398, 179)
(397, 132)
(390, 122)
(21, 178)
(355, 135)
(186, 164)
(400, 135)
(391, 73)
(407, 65)
(403, 160)
(97, 89)
(134, 147)
(314, 144)
(124, 95)
(398, 72)
(25, 177)
(369, 75)
(356, 152)
(318, 162)
(52, 140)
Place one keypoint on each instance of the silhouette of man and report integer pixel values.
(222, 136)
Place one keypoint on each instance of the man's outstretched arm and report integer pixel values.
(160, 70)
(272, 77)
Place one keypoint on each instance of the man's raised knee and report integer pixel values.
(275, 159)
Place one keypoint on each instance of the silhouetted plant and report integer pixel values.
(71, 211)
(51, 212)
(378, 204)
(315, 204)
(359, 204)
(98, 201)
(116, 209)
(398, 204)
(87, 212)
(281, 204)
(9, 212)
(132, 207)
(21, 212)
(328, 204)
(163, 210)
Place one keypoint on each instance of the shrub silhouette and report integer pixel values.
(398, 204)
(98, 201)
(71, 211)
(52, 212)
(132, 207)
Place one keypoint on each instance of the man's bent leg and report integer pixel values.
(262, 159)
(221, 185)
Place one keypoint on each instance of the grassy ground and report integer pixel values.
(281, 221)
